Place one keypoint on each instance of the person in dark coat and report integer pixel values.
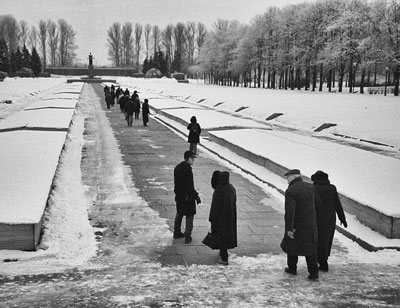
(327, 206)
(108, 100)
(223, 216)
(301, 236)
(129, 109)
(136, 103)
(122, 101)
(194, 134)
(145, 111)
(112, 95)
(186, 197)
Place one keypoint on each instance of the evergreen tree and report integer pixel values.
(145, 66)
(161, 62)
(16, 58)
(4, 60)
(36, 65)
(177, 63)
(26, 58)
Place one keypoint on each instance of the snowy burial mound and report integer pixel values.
(31, 142)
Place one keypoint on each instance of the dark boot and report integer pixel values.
(323, 266)
(290, 271)
(188, 238)
(178, 234)
(313, 277)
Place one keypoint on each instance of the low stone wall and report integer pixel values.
(386, 225)
(97, 71)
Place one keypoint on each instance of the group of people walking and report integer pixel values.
(223, 206)
(310, 212)
(310, 221)
(129, 105)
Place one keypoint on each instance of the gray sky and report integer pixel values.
(92, 18)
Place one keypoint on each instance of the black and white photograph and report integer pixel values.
(199, 153)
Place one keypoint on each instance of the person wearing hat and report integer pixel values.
(186, 197)
(327, 206)
(300, 237)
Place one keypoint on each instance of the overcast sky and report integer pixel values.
(92, 18)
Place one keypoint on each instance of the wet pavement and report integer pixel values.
(139, 265)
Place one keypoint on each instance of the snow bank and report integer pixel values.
(28, 163)
(209, 119)
(372, 117)
(364, 176)
(42, 118)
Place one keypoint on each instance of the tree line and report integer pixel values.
(55, 42)
(308, 45)
(172, 49)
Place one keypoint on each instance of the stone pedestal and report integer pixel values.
(90, 71)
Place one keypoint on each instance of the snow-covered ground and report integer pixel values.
(357, 277)
(362, 116)
(364, 176)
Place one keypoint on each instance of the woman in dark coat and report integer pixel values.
(136, 103)
(145, 111)
(327, 206)
(223, 213)
(194, 134)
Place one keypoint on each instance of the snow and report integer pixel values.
(209, 119)
(54, 103)
(39, 118)
(28, 165)
(373, 117)
(265, 178)
(364, 176)
(68, 238)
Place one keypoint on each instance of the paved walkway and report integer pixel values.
(152, 152)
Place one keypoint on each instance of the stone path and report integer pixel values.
(152, 152)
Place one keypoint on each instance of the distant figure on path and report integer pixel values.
(223, 215)
(145, 112)
(186, 197)
(136, 103)
(194, 134)
(90, 57)
(327, 206)
(109, 100)
(129, 109)
(301, 236)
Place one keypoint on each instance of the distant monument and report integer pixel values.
(91, 73)
(90, 78)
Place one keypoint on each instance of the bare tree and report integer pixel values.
(9, 31)
(201, 35)
(23, 32)
(147, 31)
(156, 33)
(190, 34)
(52, 32)
(43, 39)
(138, 42)
(180, 42)
(33, 37)
(127, 44)
(114, 43)
(66, 46)
(167, 42)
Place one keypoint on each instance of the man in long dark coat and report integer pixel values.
(301, 236)
(327, 206)
(145, 111)
(223, 216)
(129, 109)
(186, 197)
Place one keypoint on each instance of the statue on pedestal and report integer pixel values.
(90, 57)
